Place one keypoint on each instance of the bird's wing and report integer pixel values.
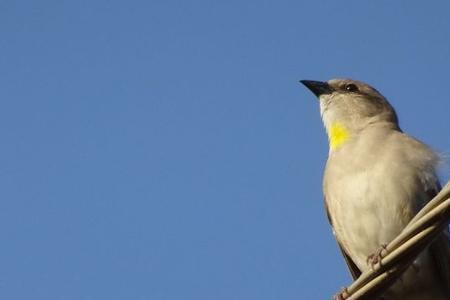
(440, 251)
(350, 264)
(354, 270)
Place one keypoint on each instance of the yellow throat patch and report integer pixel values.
(337, 135)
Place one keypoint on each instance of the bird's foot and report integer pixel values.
(342, 295)
(375, 258)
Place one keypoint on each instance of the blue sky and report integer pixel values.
(165, 149)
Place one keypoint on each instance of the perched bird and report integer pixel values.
(376, 179)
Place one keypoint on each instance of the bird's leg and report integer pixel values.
(342, 295)
(376, 257)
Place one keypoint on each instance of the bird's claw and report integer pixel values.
(342, 295)
(375, 258)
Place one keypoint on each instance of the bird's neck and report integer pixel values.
(340, 133)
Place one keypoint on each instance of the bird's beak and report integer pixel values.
(317, 87)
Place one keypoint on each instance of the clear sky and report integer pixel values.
(165, 150)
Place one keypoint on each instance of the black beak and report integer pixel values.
(317, 87)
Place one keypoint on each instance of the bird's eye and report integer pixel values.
(351, 87)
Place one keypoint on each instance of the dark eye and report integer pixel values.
(350, 87)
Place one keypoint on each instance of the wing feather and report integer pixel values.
(354, 270)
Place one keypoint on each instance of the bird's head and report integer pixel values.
(348, 106)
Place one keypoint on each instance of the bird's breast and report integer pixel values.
(367, 207)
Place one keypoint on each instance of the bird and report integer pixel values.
(375, 180)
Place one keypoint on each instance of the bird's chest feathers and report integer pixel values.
(363, 215)
(368, 207)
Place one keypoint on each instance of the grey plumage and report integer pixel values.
(376, 179)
